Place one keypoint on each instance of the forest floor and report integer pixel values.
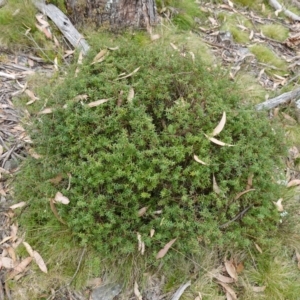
(259, 48)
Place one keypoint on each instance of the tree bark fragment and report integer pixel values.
(281, 99)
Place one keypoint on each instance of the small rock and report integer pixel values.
(106, 292)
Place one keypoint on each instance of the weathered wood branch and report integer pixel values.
(284, 98)
(64, 25)
(288, 13)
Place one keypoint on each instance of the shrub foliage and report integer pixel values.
(125, 155)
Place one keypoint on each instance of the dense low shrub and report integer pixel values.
(125, 155)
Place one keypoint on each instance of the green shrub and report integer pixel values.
(126, 155)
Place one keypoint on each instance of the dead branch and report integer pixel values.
(64, 24)
(288, 13)
(284, 98)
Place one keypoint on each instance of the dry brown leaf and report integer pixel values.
(279, 205)
(5, 240)
(258, 248)
(20, 267)
(258, 289)
(142, 211)
(57, 179)
(220, 126)
(231, 270)
(31, 95)
(28, 249)
(130, 95)
(216, 188)
(40, 262)
(240, 268)
(298, 259)
(215, 141)
(231, 293)
(223, 279)
(43, 22)
(59, 197)
(293, 182)
(128, 75)
(97, 103)
(165, 249)
(100, 56)
(14, 231)
(137, 292)
(289, 118)
(197, 159)
(173, 46)
(242, 193)
(11, 252)
(6, 262)
(46, 111)
(53, 208)
(18, 205)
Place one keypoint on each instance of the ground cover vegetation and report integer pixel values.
(144, 162)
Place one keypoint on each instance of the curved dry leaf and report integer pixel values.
(242, 193)
(279, 205)
(53, 208)
(231, 270)
(18, 205)
(215, 141)
(224, 279)
(137, 292)
(142, 211)
(162, 252)
(293, 182)
(258, 248)
(113, 48)
(20, 267)
(100, 56)
(5, 239)
(220, 126)
(128, 75)
(152, 231)
(46, 111)
(40, 262)
(59, 197)
(258, 289)
(130, 95)
(228, 290)
(28, 249)
(11, 252)
(216, 188)
(197, 159)
(97, 103)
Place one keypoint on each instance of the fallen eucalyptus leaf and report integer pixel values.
(215, 141)
(165, 249)
(97, 103)
(197, 159)
(231, 270)
(220, 126)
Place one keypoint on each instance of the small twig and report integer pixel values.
(78, 266)
(239, 215)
